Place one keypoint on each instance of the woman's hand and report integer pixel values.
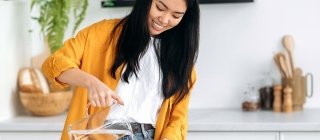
(99, 93)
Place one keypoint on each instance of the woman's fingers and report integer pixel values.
(96, 96)
(100, 95)
(102, 98)
(109, 100)
(101, 92)
(92, 102)
(117, 99)
(111, 97)
(105, 100)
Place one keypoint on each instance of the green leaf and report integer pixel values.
(54, 18)
(79, 14)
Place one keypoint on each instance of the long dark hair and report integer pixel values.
(177, 48)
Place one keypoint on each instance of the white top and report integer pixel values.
(143, 96)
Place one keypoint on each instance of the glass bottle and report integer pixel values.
(266, 92)
(250, 99)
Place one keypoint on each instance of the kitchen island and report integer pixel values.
(227, 124)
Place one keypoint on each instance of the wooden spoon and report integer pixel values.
(288, 44)
(283, 66)
(276, 60)
(287, 59)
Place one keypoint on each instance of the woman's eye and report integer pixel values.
(159, 8)
(176, 17)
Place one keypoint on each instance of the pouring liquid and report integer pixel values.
(85, 134)
(110, 130)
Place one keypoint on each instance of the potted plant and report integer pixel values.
(54, 18)
(38, 97)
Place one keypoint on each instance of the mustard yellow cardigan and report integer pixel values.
(90, 52)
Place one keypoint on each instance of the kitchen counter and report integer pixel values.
(238, 120)
(217, 120)
(32, 123)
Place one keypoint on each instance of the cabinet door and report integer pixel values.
(300, 135)
(30, 135)
(233, 136)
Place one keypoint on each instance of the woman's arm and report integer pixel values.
(99, 94)
(63, 68)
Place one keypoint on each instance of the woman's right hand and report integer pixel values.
(99, 93)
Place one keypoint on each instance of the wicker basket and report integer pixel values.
(46, 104)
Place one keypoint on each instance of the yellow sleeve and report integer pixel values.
(69, 56)
(178, 123)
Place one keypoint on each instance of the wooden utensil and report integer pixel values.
(283, 65)
(298, 94)
(288, 63)
(289, 46)
(276, 60)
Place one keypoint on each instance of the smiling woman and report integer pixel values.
(119, 3)
(143, 61)
(164, 15)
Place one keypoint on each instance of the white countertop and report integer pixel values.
(33, 124)
(238, 120)
(199, 120)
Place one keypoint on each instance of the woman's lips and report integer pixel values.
(157, 26)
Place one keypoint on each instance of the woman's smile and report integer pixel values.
(157, 26)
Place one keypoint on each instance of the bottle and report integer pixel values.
(266, 92)
(277, 103)
(250, 99)
(287, 99)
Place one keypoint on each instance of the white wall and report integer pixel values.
(238, 42)
(236, 47)
(14, 53)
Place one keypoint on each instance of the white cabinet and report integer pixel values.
(300, 135)
(233, 136)
(30, 135)
(32, 128)
(254, 135)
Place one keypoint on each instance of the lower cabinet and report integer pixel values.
(30, 135)
(191, 135)
(253, 136)
(300, 135)
(233, 136)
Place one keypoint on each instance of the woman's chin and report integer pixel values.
(155, 32)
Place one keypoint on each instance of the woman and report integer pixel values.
(148, 56)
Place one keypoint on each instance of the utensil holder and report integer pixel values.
(299, 84)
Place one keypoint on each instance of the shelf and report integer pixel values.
(123, 3)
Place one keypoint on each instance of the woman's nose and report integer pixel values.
(164, 19)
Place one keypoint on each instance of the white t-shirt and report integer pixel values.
(143, 96)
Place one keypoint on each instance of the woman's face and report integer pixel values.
(165, 14)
